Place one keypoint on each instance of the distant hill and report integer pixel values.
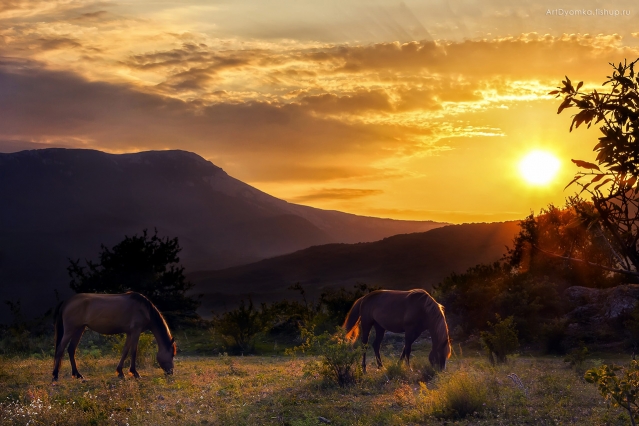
(57, 204)
(418, 260)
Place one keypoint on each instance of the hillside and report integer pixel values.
(399, 262)
(64, 203)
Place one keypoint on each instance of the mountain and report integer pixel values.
(57, 204)
(418, 260)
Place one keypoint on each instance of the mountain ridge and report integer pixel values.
(416, 260)
(64, 203)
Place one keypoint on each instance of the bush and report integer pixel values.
(458, 395)
(621, 391)
(242, 325)
(501, 341)
(339, 360)
(396, 371)
(427, 372)
(577, 356)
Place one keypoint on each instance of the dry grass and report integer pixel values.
(274, 390)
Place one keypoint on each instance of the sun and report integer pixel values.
(539, 167)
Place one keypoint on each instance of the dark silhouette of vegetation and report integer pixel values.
(286, 318)
(22, 336)
(339, 359)
(577, 356)
(242, 325)
(612, 182)
(562, 231)
(141, 263)
(501, 340)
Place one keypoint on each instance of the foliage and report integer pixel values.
(565, 232)
(501, 341)
(577, 356)
(612, 183)
(17, 335)
(242, 325)
(623, 390)
(472, 299)
(458, 395)
(145, 264)
(339, 360)
(334, 304)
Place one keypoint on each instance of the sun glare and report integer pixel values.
(539, 167)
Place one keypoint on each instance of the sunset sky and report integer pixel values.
(409, 110)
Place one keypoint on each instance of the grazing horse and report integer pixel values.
(130, 313)
(409, 312)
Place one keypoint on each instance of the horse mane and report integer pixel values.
(156, 319)
(435, 313)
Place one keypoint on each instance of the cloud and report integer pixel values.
(57, 43)
(336, 194)
(362, 100)
(44, 106)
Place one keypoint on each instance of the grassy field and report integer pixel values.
(282, 390)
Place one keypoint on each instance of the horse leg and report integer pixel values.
(366, 330)
(135, 337)
(377, 343)
(125, 352)
(409, 339)
(73, 344)
(59, 353)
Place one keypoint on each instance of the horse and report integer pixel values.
(130, 313)
(409, 312)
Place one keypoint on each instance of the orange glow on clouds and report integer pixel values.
(411, 111)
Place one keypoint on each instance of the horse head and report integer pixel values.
(165, 357)
(440, 353)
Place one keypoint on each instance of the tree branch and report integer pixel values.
(619, 271)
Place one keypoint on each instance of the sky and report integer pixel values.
(416, 110)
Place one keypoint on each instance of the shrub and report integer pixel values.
(501, 341)
(396, 371)
(242, 325)
(339, 360)
(427, 372)
(458, 395)
(577, 356)
(621, 391)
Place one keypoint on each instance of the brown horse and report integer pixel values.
(409, 312)
(130, 313)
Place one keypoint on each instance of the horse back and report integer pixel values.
(106, 313)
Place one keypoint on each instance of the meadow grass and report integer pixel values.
(274, 390)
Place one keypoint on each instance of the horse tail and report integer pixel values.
(59, 326)
(351, 325)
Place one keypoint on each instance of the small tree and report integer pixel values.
(339, 360)
(145, 264)
(612, 183)
(242, 325)
(501, 341)
(621, 391)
